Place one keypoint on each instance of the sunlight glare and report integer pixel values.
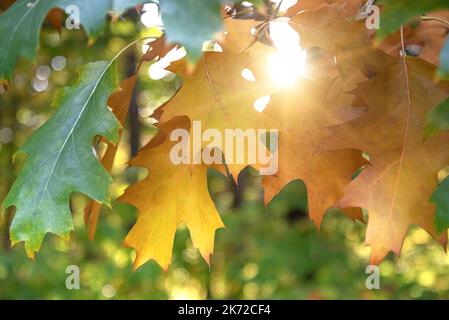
(285, 5)
(247, 74)
(289, 62)
(261, 103)
(151, 16)
(157, 70)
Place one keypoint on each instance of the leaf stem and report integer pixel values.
(126, 48)
(439, 19)
(404, 53)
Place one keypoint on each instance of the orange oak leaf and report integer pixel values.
(304, 5)
(240, 36)
(351, 6)
(306, 112)
(170, 195)
(334, 29)
(397, 186)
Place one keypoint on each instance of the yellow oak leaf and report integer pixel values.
(170, 195)
(218, 97)
(119, 102)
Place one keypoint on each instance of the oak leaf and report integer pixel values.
(219, 97)
(191, 24)
(119, 102)
(397, 13)
(397, 186)
(306, 112)
(20, 25)
(53, 171)
(334, 29)
(426, 39)
(170, 195)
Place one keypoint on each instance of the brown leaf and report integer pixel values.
(242, 36)
(306, 114)
(331, 29)
(158, 48)
(396, 187)
(5, 4)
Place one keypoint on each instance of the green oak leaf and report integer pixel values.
(437, 119)
(441, 201)
(191, 22)
(20, 25)
(60, 159)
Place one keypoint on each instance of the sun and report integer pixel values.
(289, 61)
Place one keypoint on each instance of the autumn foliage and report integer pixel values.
(363, 127)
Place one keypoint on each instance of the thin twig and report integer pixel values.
(261, 27)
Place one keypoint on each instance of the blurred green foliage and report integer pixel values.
(273, 253)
